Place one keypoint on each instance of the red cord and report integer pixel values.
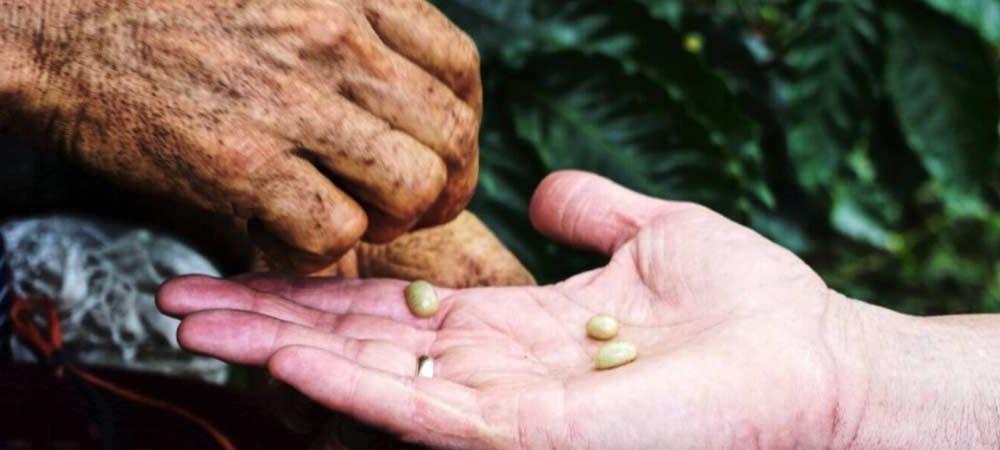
(23, 312)
(123, 392)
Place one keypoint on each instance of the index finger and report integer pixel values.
(431, 411)
(421, 33)
(374, 296)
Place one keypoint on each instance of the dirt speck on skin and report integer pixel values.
(208, 103)
(462, 253)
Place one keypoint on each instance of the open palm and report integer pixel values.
(734, 345)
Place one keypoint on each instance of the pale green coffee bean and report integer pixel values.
(602, 327)
(614, 354)
(421, 299)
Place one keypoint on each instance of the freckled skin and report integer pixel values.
(321, 122)
(462, 253)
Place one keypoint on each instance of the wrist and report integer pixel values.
(916, 383)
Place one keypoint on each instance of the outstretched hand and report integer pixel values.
(739, 340)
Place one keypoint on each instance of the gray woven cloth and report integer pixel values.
(104, 277)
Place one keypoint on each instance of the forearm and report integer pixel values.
(931, 383)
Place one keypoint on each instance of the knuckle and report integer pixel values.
(320, 228)
(412, 179)
(428, 182)
(331, 33)
(354, 228)
(349, 232)
(463, 138)
(470, 54)
(463, 182)
(465, 78)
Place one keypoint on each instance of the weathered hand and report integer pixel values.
(459, 254)
(316, 120)
(739, 341)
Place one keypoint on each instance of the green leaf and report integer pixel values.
(781, 230)
(835, 64)
(509, 171)
(982, 15)
(670, 10)
(610, 122)
(624, 127)
(878, 137)
(941, 80)
(991, 303)
(851, 216)
(498, 27)
(627, 32)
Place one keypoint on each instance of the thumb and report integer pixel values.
(589, 211)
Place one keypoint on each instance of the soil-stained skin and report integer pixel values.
(318, 121)
(461, 253)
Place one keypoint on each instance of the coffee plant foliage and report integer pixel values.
(860, 134)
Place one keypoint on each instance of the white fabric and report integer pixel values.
(104, 277)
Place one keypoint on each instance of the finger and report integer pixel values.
(282, 257)
(384, 228)
(431, 411)
(394, 89)
(421, 33)
(246, 338)
(410, 100)
(192, 294)
(374, 297)
(462, 253)
(300, 208)
(382, 167)
(592, 212)
(456, 194)
(404, 95)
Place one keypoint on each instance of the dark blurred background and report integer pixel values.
(861, 134)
